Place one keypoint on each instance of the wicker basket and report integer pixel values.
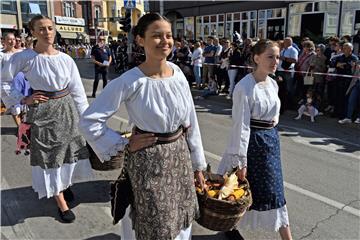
(222, 215)
(115, 162)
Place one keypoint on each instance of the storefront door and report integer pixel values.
(312, 25)
(275, 29)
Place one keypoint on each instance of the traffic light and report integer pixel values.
(126, 22)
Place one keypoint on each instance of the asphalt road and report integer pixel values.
(321, 165)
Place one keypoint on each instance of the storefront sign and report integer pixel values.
(63, 28)
(70, 21)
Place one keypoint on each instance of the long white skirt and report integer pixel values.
(50, 182)
(127, 233)
(270, 220)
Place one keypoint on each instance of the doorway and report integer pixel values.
(312, 25)
(275, 29)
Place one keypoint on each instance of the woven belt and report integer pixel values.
(261, 124)
(54, 95)
(164, 138)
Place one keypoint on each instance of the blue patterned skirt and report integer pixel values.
(264, 169)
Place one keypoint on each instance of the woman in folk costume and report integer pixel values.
(254, 146)
(165, 147)
(58, 151)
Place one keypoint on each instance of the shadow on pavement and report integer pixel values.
(109, 236)
(19, 204)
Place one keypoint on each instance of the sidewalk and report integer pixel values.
(324, 124)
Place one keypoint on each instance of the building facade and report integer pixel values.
(262, 19)
(69, 22)
(15, 15)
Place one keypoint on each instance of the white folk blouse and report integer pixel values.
(251, 100)
(44, 72)
(153, 105)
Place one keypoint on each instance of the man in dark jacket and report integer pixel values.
(101, 56)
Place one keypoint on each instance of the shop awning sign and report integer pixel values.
(63, 28)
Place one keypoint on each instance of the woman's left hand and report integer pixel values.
(200, 180)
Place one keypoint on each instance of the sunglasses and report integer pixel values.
(101, 39)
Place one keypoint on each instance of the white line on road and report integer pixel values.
(338, 205)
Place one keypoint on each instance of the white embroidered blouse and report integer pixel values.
(44, 72)
(153, 105)
(251, 100)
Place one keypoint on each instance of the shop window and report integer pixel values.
(308, 7)
(278, 13)
(261, 14)
(221, 17)
(244, 15)
(8, 7)
(229, 30)
(236, 16)
(294, 25)
(97, 12)
(269, 13)
(229, 17)
(220, 30)
(331, 25)
(253, 15)
(69, 9)
(198, 27)
(213, 18)
(252, 29)
(206, 19)
(206, 30)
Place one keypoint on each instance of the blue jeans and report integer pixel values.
(197, 74)
(353, 100)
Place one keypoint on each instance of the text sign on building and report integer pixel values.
(63, 28)
(129, 4)
(70, 21)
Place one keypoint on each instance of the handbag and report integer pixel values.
(309, 79)
(121, 194)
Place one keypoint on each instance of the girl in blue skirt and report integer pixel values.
(254, 146)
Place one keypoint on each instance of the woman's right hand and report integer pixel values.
(140, 141)
(35, 99)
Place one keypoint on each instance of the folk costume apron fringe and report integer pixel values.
(162, 180)
(56, 144)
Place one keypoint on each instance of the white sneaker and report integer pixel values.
(345, 120)
(298, 117)
(312, 119)
(357, 121)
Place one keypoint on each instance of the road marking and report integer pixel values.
(338, 205)
(320, 135)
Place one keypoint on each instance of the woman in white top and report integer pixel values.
(196, 60)
(254, 146)
(159, 103)
(58, 151)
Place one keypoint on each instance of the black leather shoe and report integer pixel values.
(233, 235)
(68, 195)
(67, 216)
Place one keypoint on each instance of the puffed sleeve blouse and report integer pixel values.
(153, 105)
(251, 100)
(49, 73)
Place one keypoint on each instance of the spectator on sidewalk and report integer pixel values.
(208, 66)
(309, 106)
(343, 64)
(318, 65)
(234, 61)
(212, 90)
(101, 57)
(196, 60)
(288, 57)
(353, 100)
